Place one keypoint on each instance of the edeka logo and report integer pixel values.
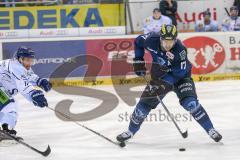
(96, 15)
(205, 54)
(48, 18)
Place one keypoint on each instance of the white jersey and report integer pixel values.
(154, 25)
(14, 78)
(230, 24)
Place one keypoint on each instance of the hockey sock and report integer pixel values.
(198, 112)
(139, 114)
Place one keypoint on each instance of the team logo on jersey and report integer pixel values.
(183, 55)
(205, 54)
(170, 55)
(147, 20)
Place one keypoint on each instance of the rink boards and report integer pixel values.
(107, 59)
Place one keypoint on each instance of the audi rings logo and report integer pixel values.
(206, 54)
(46, 33)
(110, 30)
(9, 34)
(62, 32)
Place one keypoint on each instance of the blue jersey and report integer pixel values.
(176, 59)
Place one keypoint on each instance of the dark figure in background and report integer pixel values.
(169, 8)
(237, 4)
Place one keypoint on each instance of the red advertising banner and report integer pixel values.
(210, 54)
(206, 54)
(115, 54)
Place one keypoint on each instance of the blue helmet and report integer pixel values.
(24, 52)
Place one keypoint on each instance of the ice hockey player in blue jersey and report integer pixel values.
(16, 76)
(171, 71)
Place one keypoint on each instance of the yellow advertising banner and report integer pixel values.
(92, 15)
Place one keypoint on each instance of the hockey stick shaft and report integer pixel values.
(45, 153)
(85, 127)
(184, 134)
(227, 11)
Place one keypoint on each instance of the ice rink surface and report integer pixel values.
(155, 140)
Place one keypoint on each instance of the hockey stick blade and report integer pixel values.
(185, 134)
(45, 153)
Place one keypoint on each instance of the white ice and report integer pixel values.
(155, 140)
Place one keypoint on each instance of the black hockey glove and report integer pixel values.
(139, 66)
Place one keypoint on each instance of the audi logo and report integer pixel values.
(110, 30)
(61, 32)
(11, 34)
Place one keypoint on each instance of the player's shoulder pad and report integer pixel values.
(153, 40)
(17, 70)
(147, 39)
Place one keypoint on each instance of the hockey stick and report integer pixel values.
(184, 134)
(44, 153)
(89, 129)
(227, 11)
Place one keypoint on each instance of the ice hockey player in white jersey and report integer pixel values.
(154, 23)
(232, 23)
(16, 76)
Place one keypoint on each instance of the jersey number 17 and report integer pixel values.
(183, 65)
